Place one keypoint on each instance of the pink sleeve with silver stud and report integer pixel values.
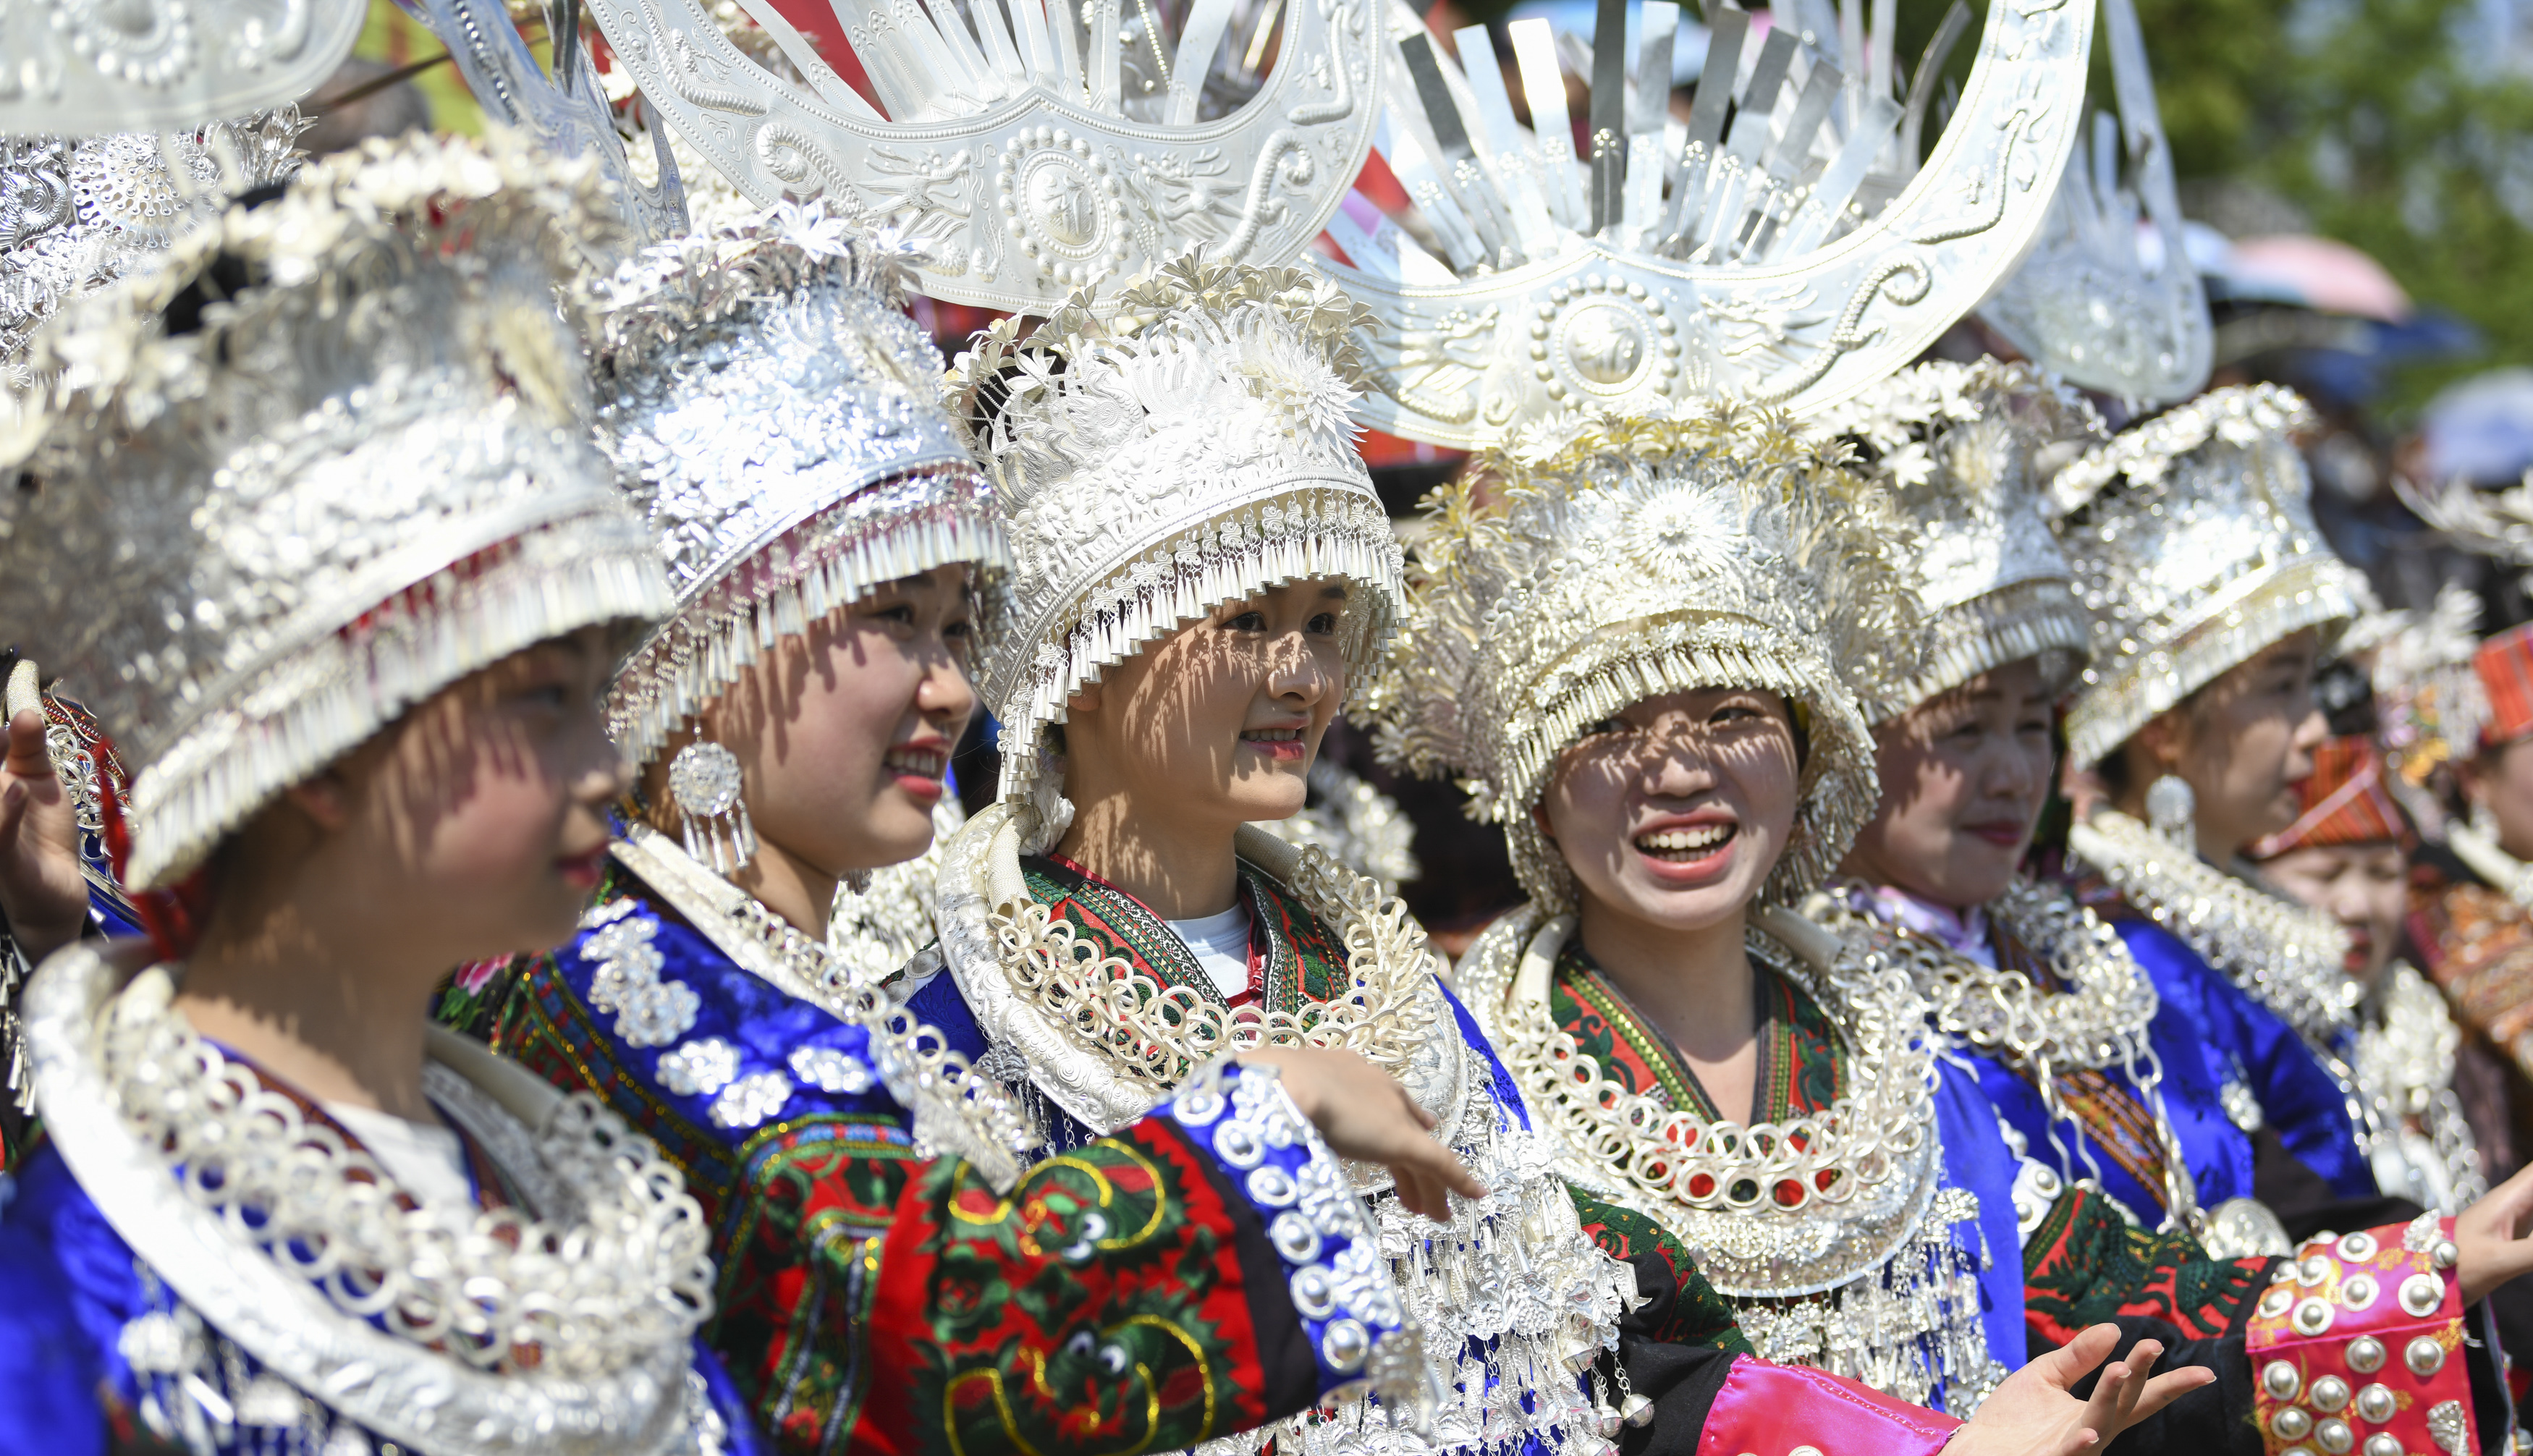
(2357, 1346)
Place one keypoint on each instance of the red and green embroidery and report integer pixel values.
(1701, 1317)
(1301, 957)
(1800, 1060)
(2085, 1263)
(873, 1299)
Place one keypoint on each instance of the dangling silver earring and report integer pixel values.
(704, 780)
(2483, 819)
(2171, 809)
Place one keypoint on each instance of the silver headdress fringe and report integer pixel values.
(1647, 558)
(363, 476)
(1192, 450)
(773, 411)
(2192, 542)
(1956, 445)
(87, 210)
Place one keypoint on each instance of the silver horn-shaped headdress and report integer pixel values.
(1034, 147)
(1789, 259)
(2098, 301)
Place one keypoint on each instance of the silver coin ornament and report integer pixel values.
(705, 781)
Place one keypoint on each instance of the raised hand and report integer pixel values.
(1367, 1116)
(2490, 1238)
(41, 887)
(2036, 1414)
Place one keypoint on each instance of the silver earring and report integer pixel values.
(2483, 819)
(2171, 809)
(704, 780)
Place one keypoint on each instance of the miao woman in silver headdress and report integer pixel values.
(1643, 652)
(898, 1268)
(1202, 577)
(2213, 599)
(2104, 1081)
(316, 527)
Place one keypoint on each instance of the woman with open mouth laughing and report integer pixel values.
(887, 1248)
(1645, 655)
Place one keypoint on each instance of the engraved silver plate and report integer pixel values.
(2085, 305)
(78, 67)
(1785, 279)
(1030, 156)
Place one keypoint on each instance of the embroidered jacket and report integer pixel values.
(1683, 1355)
(2082, 1262)
(1126, 1297)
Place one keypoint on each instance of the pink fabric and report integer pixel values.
(1775, 1408)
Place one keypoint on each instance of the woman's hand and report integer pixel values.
(41, 890)
(1367, 1116)
(2033, 1414)
(2489, 1236)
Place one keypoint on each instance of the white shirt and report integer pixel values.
(424, 1158)
(1221, 945)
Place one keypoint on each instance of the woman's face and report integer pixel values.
(1964, 779)
(1674, 812)
(2504, 779)
(2366, 888)
(480, 817)
(2243, 742)
(844, 733)
(1220, 720)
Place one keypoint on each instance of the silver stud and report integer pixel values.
(2445, 1254)
(2424, 1356)
(2378, 1404)
(2276, 1301)
(2314, 1271)
(2422, 1295)
(2312, 1317)
(2284, 1272)
(2281, 1380)
(2290, 1424)
(2358, 1291)
(2330, 1393)
(2357, 1248)
(2384, 1443)
(2334, 1437)
(2366, 1355)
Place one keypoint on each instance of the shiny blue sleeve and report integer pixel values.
(67, 1285)
(2297, 1094)
(1977, 1161)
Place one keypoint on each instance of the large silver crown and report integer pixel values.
(1193, 450)
(2193, 548)
(2093, 303)
(1032, 155)
(364, 475)
(89, 66)
(1651, 556)
(776, 416)
(1789, 261)
(79, 212)
(1957, 446)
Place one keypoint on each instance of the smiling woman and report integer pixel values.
(767, 402)
(1202, 576)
